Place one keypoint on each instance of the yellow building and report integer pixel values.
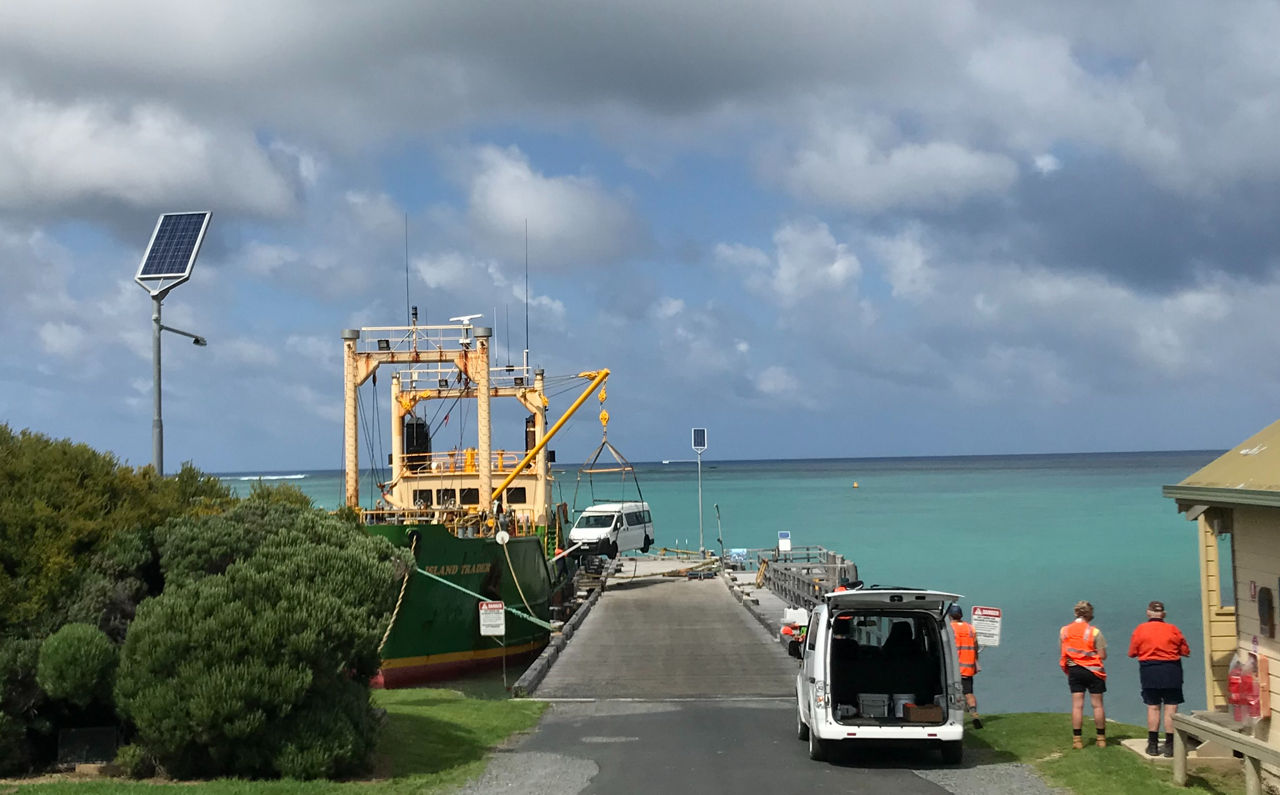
(1235, 503)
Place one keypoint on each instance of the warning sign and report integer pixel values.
(986, 625)
(493, 619)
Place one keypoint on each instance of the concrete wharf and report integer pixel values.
(670, 684)
(651, 636)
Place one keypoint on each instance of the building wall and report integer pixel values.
(1256, 549)
(1217, 619)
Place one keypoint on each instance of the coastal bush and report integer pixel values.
(21, 704)
(60, 503)
(133, 762)
(77, 664)
(255, 659)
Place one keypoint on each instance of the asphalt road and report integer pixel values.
(645, 747)
(670, 686)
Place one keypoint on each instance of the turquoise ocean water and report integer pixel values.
(1029, 534)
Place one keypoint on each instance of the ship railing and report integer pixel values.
(442, 379)
(464, 461)
(462, 521)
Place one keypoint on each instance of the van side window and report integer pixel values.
(634, 519)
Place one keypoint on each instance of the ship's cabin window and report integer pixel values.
(446, 496)
(516, 496)
(470, 497)
(422, 498)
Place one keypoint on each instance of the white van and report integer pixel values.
(880, 664)
(613, 527)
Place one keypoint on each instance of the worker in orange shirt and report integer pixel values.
(1159, 647)
(967, 652)
(1084, 650)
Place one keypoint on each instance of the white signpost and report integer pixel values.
(700, 447)
(784, 540)
(493, 619)
(986, 625)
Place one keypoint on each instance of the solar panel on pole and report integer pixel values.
(172, 251)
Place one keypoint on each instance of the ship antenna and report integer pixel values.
(407, 319)
(507, 309)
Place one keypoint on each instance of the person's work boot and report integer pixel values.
(1153, 748)
(977, 722)
(1168, 747)
(1077, 743)
(1102, 741)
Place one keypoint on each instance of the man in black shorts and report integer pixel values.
(1084, 650)
(1159, 647)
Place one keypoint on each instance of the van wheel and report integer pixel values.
(612, 553)
(817, 748)
(648, 542)
(953, 752)
(802, 728)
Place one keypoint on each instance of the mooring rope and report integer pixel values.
(404, 586)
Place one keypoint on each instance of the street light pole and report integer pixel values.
(157, 422)
(166, 264)
(702, 550)
(699, 447)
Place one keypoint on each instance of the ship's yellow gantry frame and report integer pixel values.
(449, 362)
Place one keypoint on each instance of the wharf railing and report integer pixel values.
(801, 575)
(1255, 751)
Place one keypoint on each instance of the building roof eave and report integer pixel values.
(1188, 496)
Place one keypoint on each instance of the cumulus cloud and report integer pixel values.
(1046, 163)
(806, 261)
(141, 155)
(61, 339)
(571, 220)
(906, 265)
(845, 167)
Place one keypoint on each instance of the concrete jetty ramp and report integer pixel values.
(655, 637)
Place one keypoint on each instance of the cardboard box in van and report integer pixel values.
(923, 713)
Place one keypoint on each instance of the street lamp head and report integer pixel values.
(199, 342)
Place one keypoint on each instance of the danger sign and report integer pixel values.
(493, 619)
(986, 625)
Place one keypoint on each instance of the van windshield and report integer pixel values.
(595, 520)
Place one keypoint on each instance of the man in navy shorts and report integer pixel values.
(1159, 647)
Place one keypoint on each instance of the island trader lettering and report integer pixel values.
(469, 568)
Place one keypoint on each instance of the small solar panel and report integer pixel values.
(174, 246)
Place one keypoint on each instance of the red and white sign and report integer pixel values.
(493, 619)
(986, 625)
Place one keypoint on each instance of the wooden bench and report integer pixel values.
(1255, 751)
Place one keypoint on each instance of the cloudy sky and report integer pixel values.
(818, 229)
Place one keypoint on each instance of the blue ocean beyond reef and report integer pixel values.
(1031, 534)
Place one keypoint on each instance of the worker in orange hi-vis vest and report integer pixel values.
(1159, 647)
(1084, 650)
(967, 651)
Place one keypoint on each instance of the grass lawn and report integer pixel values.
(434, 740)
(1044, 741)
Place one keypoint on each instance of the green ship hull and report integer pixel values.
(435, 633)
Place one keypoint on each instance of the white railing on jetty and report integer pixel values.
(800, 576)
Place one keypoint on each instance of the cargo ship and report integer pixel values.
(480, 522)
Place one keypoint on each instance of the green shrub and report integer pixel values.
(60, 502)
(134, 762)
(21, 704)
(14, 758)
(255, 659)
(77, 664)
